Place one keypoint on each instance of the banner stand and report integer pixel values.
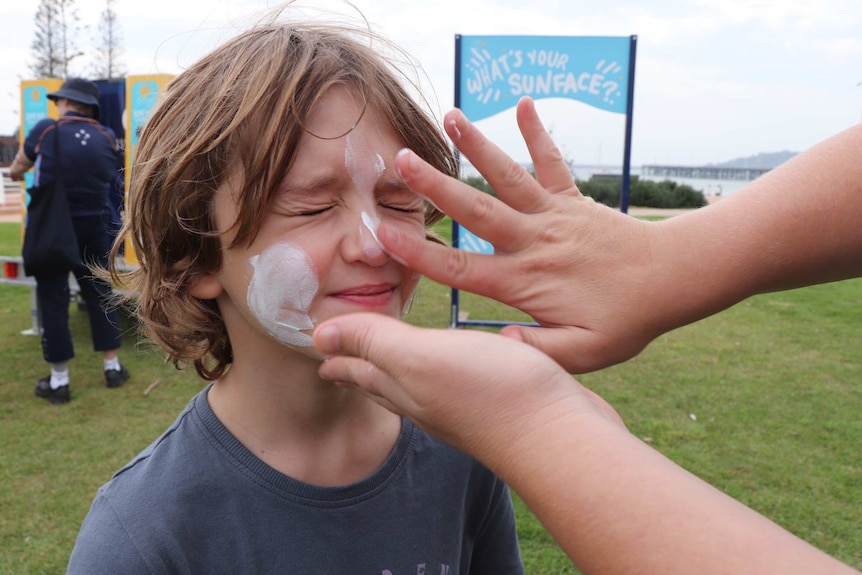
(493, 72)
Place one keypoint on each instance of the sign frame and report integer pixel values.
(584, 68)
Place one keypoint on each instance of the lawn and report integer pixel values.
(763, 401)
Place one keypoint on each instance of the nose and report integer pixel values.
(360, 242)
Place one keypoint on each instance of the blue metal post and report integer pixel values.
(630, 100)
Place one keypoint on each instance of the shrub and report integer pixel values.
(645, 193)
(480, 184)
(605, 189)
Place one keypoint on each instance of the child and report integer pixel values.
(258, 185)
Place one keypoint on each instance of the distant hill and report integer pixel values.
(761, 160)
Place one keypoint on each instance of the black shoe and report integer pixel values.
(116, 377)
(55, 396)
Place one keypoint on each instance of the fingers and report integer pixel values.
(555, 342)
(481, 213)
(361, 375)
(552, 172)
(510, 181)
(368, 347)
(364, 335)
(558, 343)
(577, 350)
(474, 390)
(456, 268)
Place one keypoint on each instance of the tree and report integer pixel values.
(54, 47)
(479, 183)
(108, 45)
(46, 51)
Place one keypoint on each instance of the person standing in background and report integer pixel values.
(88, 161)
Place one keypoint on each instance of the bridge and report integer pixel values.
(703, 172)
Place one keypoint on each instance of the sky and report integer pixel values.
(715, 79)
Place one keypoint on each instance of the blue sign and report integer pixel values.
(470, 242)
(496, 71)
(35, 102)
(145, 94)
(493, 72)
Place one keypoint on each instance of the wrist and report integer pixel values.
(526, 436)
(698, 268)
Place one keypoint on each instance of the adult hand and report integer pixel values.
(604, 284)
(475, 390)
(614, 504)
(571, 264)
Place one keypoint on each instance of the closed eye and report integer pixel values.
(396, 196)
(310, 213)
(403, 209)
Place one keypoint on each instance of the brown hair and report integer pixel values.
(242, 106)
(85, 109)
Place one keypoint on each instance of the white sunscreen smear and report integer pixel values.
(371, 223)
(282, 287)
(365, 168)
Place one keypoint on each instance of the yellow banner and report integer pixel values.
(35, 106)
(142, 95)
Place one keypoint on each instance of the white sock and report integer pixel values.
(59, 378)
(112, 364)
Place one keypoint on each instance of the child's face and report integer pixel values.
(316, 254)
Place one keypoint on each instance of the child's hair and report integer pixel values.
(241, 110)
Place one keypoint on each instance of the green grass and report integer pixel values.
(773, 388)
(773, 385)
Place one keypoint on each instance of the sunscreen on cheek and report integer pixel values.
(283, 285)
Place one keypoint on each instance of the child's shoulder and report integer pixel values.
(177, 448)
(441, 458)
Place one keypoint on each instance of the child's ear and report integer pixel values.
(206, 286)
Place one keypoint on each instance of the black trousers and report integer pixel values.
(52, 292)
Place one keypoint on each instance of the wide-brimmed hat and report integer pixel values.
(78, 90)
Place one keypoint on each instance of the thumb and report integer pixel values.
(576, 349)
(369, 336)
(361, 350)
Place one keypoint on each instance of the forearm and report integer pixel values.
(614, 504)
(797, 225)
(617, 506)
(19, 165)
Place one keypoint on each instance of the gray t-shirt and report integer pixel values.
(198, 501)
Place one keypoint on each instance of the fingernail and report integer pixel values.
(326, 339)
(455, 132)
(408, 157)
(454, 120)
(392, 234)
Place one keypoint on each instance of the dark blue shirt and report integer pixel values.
(198, 501)
(88, 160)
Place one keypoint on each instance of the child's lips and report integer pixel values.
(367, 295)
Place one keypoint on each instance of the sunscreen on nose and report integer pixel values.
(365, 168)
(371, 224)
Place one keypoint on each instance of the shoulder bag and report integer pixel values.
(50, 245)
